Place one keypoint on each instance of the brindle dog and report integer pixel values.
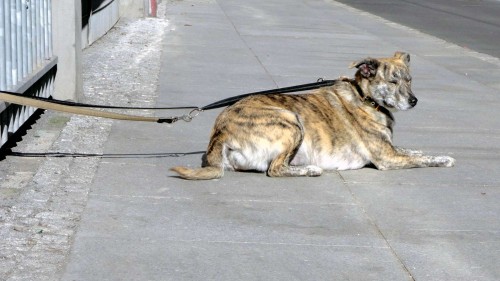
(345, 126)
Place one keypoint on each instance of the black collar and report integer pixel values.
(371, 102)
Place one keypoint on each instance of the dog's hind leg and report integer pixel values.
(291, 139)
(281, 169)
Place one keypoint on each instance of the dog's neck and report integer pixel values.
(368, 100)
(363, 92)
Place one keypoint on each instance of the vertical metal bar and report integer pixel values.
(49, 17)
(13, 40)
(19, 42)
(33, 33)
(3, 76)
(38, 34)
(42, 30)
(24, 38)
(8, 62)
(46, 31)
(29, 35)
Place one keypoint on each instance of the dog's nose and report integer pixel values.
(413, 101)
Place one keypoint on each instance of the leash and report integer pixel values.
(303, 87)
(85, 109)
(47, 104)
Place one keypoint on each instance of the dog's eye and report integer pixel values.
(393, 81)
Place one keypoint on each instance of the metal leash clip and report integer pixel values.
(191, 115)
(186, 117)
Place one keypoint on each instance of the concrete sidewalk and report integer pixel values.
(140, 223)
(422, 224)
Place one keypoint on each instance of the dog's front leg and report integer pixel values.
(389, 158)
(408, 151)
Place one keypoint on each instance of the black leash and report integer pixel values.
(66, 105)
(304, 87)
(232, 100)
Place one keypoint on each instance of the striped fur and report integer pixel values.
(332, 128)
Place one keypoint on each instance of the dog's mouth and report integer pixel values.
(394, 105)
(403, 106)
(388, 105)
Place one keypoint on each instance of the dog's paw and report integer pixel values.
(445, 161)
(313, 171)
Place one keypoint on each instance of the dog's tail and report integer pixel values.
(212, 167)
(205, 173)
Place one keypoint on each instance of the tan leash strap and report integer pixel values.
(76, 110)
(83, 109)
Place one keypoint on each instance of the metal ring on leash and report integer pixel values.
(191, 115)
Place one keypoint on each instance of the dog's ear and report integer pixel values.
(367, 67)
(405, 57)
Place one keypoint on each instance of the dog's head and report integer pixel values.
(387, 81)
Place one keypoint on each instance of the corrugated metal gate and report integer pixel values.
(27, 64)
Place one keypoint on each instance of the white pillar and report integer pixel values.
(67, 42)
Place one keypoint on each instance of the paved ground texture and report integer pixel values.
(123, 216)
